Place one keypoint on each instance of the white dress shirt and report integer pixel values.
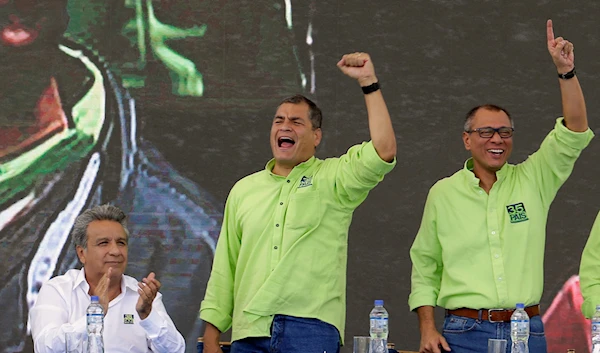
(61, 307)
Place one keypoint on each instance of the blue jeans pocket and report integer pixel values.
(536, 327)
(458, 324)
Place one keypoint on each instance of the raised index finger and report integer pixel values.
(549, 32)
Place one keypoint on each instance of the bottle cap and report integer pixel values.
(597, 307)
(520, 305)
(378, 302)
(95, 298)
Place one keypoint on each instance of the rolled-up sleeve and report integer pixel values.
(217, 306)
(359, 170)
(426, 257)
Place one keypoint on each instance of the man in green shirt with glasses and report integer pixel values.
(279, 273)
(480, 248)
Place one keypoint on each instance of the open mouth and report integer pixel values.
(17, 34)
(496, 151)
(285, 142)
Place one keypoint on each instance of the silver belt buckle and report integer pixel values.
(490, 315)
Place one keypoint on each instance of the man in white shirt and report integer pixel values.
(135, 317)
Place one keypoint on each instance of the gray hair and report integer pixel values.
(491, 107)
(98, 213)
(314, 112)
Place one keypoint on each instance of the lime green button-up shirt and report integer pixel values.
(283, 244)
(589, 272)
(481, 251)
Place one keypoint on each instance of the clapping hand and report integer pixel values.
(148, 288)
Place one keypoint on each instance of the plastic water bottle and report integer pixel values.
(519, 330)
(596, 331)
(379, 328)
(95, 326)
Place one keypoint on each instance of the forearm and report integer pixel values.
(359, 66)
(573, 104)
(380, 126)
(212, 335)
(426, 318)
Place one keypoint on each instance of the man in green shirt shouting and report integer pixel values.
(279, 273)
(480, 248)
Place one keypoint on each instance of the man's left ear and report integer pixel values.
(466, 140)
(80, 254)
(318, 135)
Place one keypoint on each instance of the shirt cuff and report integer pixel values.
(419, 299)
(576, 140)
(372, 160)
(153, 324)
(217, 319)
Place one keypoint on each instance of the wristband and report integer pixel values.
(373, 87)
(567, 75)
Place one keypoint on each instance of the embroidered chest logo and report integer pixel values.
(517, 213)
(128, 319)
(305, 182)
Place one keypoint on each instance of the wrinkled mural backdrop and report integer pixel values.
(159, 106)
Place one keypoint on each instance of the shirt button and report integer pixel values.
(499, 278)
(480, 191)
(288, 181)
(277, 225)
(493, 232)
(275, 247)
(496, 256)
(281, 203)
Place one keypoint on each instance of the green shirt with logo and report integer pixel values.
(283, 244)
(589, 271)
(482, 251)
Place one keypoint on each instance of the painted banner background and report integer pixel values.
(160, 106)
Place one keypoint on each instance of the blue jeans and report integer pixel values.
(291, 334)
(466, 335)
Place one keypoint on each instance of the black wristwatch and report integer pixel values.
(370, 88)
(567, 75)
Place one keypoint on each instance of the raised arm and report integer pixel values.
(359, 66)
(573, 103)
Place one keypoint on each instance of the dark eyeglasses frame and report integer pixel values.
(488, 129)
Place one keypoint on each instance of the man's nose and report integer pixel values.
(114, 248)
(286, 126)
(496, 137)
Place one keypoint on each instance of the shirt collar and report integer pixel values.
(472, 179)
(81, 282)
(297, 169)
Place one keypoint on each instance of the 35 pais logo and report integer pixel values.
(517, 213)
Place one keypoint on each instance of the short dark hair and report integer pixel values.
(99, 213)
(314, 112)
(491, 107)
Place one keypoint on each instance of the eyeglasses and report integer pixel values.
(487, 132)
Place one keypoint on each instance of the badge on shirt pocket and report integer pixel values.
(517, 213)
(128, 319)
